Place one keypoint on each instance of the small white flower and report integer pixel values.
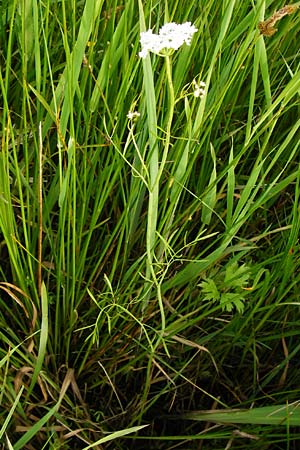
(199, 89)
(170, 36)
(133, 115)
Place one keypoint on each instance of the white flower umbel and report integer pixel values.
(171, 36)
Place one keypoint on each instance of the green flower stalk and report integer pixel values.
(170, 38)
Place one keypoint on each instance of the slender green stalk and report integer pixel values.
(154, 192)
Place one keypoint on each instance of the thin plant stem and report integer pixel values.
(170, 117)
(154, 193)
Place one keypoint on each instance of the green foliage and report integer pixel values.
(279, 415)
(227, 287)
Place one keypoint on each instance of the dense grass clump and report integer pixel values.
(149, 226)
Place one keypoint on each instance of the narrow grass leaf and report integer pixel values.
(38, 425)
(90, 13)
(43, 339)
(266, 415)
(116, 435)
(210, 198)
(11, 411)
(35, 429)
(9, 444)
(230, 190)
